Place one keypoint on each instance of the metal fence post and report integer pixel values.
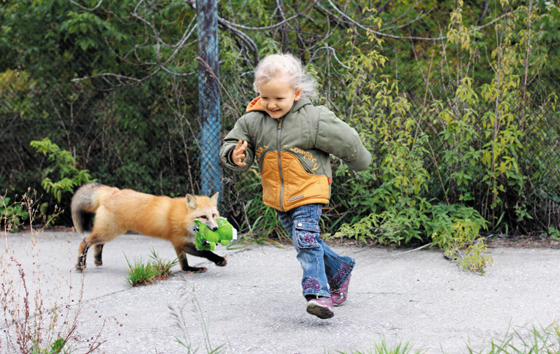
(209, 96)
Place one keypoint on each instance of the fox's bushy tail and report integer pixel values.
(84, 204)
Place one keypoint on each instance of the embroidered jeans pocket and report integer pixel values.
(306, 234)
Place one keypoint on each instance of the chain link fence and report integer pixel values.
(537, 118)
(533, 199)
(146, 136)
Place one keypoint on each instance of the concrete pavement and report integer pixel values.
(254, 304)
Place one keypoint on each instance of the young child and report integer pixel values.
(291, 140)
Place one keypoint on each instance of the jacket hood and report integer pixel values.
(255, 105)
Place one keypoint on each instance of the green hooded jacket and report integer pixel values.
(293, 152)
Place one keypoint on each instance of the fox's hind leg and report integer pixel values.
(98, 254)
(104, 230)
(82, 251)
(93, 239)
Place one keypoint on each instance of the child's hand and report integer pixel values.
(239, 153)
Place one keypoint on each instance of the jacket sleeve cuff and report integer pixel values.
(225, 156)
(360, 160)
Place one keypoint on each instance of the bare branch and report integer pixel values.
(158, 64)
(135, 14)
(329, 49)
(192, 3)
(484, 11)
(324, 11)
(284, 38)
(8, 126)
(395, 20)
(245, 38)
(119, 77)
(181, 43)
(382, 7)
(161, 63)
(176, 73)
(213, 75)
(86, 8)
(381, 34)
(419, 17)
(273, 26)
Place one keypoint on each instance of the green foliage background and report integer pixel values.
(455, 99)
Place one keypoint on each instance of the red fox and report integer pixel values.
(115, 211)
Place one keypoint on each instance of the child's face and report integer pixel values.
(278, 97)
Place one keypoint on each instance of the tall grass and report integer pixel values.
(178, 314)
(37, 319)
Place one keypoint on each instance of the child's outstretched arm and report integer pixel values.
(341, 140)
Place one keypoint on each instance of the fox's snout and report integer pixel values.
(211, 227)
(211, 224)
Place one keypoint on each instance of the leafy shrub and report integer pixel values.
(64, 166)
(12, 215)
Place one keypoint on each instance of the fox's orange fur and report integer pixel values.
(117, 211)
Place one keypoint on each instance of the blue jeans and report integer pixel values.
(323, 269)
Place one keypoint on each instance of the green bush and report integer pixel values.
(12, 215)
(63, 166)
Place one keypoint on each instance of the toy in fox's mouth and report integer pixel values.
(206, 239)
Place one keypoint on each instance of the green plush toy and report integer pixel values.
(206, 239)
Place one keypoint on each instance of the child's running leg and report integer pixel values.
(338, 269)
(303, 225)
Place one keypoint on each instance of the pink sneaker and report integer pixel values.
(321, 307)
(339, 295)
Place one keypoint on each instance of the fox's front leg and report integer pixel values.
(182, 257)
(191, 249)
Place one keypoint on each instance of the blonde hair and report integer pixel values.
(287, 67)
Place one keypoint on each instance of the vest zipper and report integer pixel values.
(278, 136)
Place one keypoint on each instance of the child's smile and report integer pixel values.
(278, 97)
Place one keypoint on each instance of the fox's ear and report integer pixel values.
(214, 199)
(191, 202)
